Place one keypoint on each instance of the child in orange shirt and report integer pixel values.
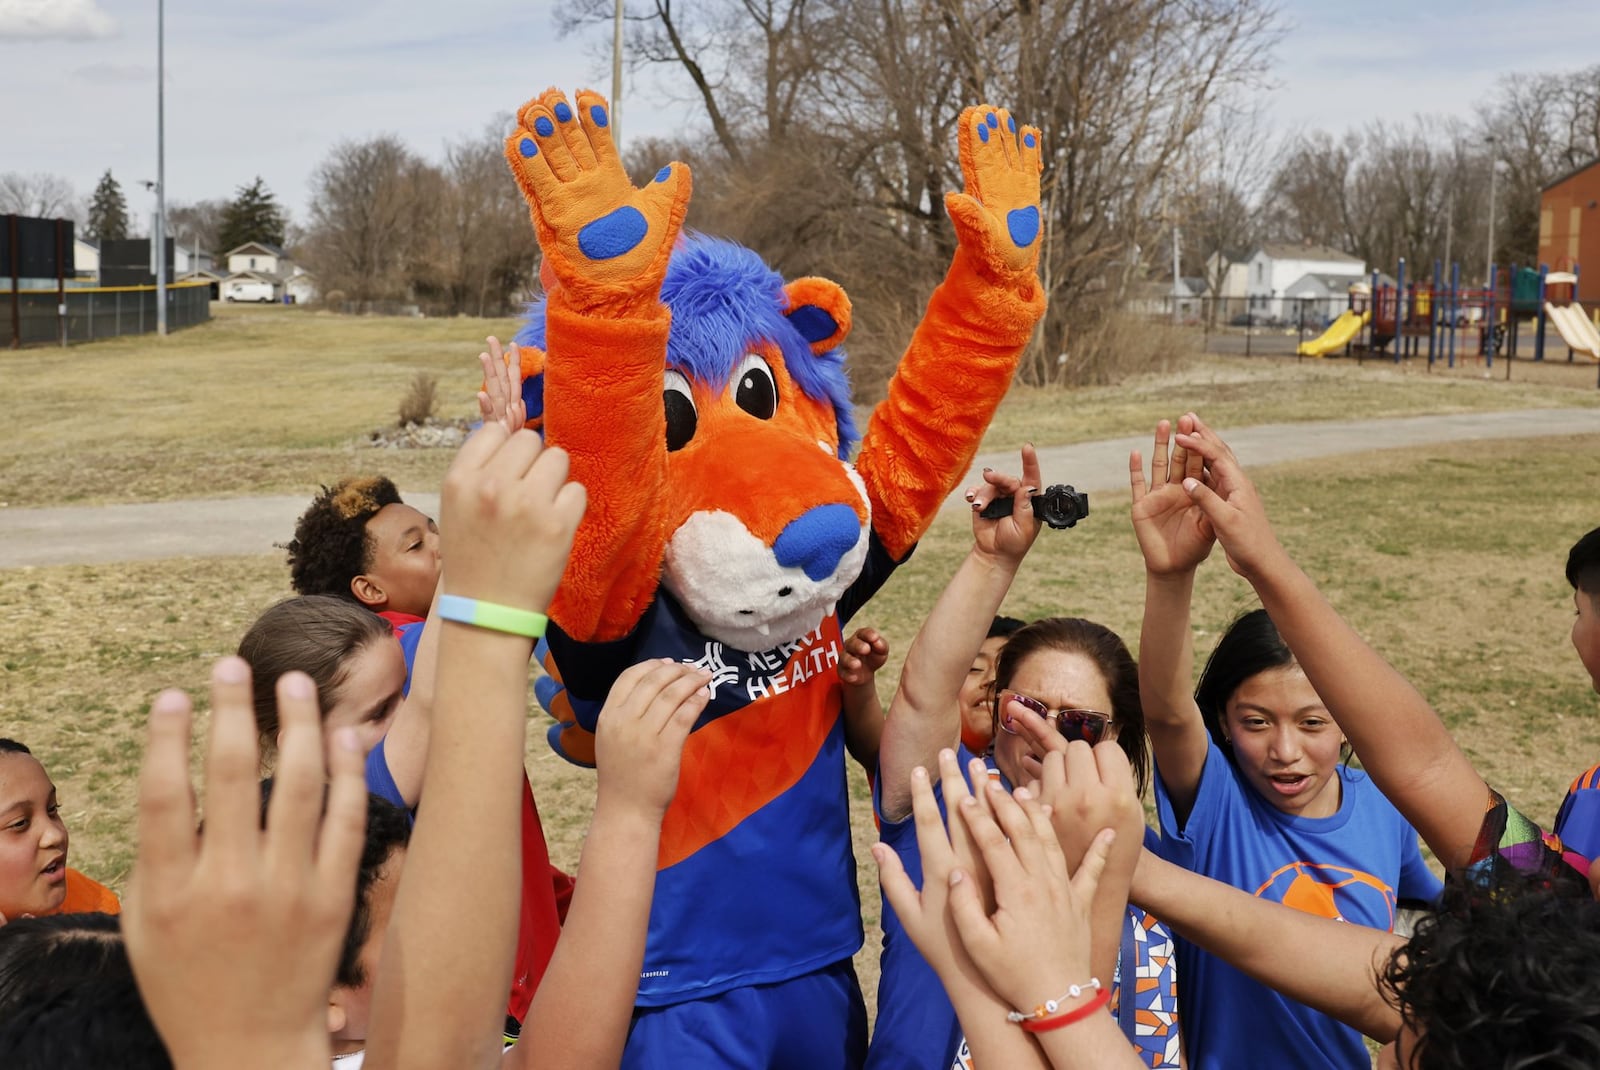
(34, 877)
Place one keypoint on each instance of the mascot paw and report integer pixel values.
(604, 239)
(997, 219)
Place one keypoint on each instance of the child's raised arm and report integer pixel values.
(863, 655)
(405, 746)
(508, 521)
(924, 716)
(1271, 943)
(580, 1015)
(1402, 743)
(1174, 537)
(234, 936)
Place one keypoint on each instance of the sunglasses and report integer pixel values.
(1091, 726)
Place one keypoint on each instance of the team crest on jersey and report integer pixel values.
(1330, 891)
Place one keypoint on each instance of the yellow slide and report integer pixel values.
(1339, 332)
(1576, 328)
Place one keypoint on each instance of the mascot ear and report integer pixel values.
(820, 311)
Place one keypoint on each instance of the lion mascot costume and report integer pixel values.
(705, 406)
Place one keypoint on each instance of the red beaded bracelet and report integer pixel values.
(1045, 1025)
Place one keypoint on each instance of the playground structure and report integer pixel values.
(1404, 313)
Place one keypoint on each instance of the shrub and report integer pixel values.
(416, 407)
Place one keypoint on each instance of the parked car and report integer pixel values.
(249, 290)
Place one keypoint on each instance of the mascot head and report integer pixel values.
(768, 520)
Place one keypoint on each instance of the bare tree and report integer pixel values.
(368, 203)
(197, 223)
(486, 248)
(40, 195)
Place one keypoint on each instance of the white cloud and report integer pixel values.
(72, 20)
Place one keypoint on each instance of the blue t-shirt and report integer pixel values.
(1352, 866)
(916, 1025)
(755, 877)
(1578, 820)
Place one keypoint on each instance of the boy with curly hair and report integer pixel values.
(358, 540)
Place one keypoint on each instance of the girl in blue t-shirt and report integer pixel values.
(1252, 789)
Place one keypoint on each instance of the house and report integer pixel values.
(254, 256)
(1569, 227)
(1233, 276)
(256, 263)
(1277, 271)
(1157, 298)
(85, 260)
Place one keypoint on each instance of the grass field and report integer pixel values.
(1449, 559)
(277, 399)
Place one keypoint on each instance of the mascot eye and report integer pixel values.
(755, 391)
(681, 415)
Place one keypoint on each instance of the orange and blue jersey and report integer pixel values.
(756, 878)
(1353, 866)
(1578, 820)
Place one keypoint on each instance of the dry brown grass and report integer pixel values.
(260, 401)
(1450, 562)
(275, 400)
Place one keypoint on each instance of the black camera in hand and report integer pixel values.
(1060, 506)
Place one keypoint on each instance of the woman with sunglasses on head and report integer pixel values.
(1057, 679)
(1252, 789)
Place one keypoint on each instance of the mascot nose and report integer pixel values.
(817, 538)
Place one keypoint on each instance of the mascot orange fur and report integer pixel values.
(705, 407)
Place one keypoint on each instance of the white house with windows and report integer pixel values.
(1277, 273)
(258, 271)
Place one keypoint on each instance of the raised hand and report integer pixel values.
(1174, 535)
(234, 936)
(606, 241)
(997, 218)
(500, 400)
(864, 654)
(1034, 942)
(1231, 505)
(507, 517)
(1008, 537)
(924, 913)
(639, 741)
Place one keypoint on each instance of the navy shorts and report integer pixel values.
(814, 1022)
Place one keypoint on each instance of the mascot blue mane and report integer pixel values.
(725, 302)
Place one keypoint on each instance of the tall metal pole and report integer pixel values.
(616, 79)
(1488, 260)
(161, 167)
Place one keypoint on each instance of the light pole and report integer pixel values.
(616, 80)
(161, 167)
(1494, 169)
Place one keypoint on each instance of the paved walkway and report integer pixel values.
(217, 527)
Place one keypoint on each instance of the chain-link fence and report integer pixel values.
(45, 317)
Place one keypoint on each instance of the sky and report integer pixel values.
(267, 88)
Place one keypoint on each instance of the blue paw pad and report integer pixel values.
(992, 119)
(1023, 223)
(598, 114)
(663, 174)
(1011, 124)
(983, 133)
(527, 147)
(613, 234)
(543, 127)
(1029, 140)
(563, 113)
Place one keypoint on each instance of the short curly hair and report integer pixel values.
(1501, 978)
(330, 545)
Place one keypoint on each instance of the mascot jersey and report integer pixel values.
(704, 406)
(1578, 820)
(1352, 866)
(796, 908)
